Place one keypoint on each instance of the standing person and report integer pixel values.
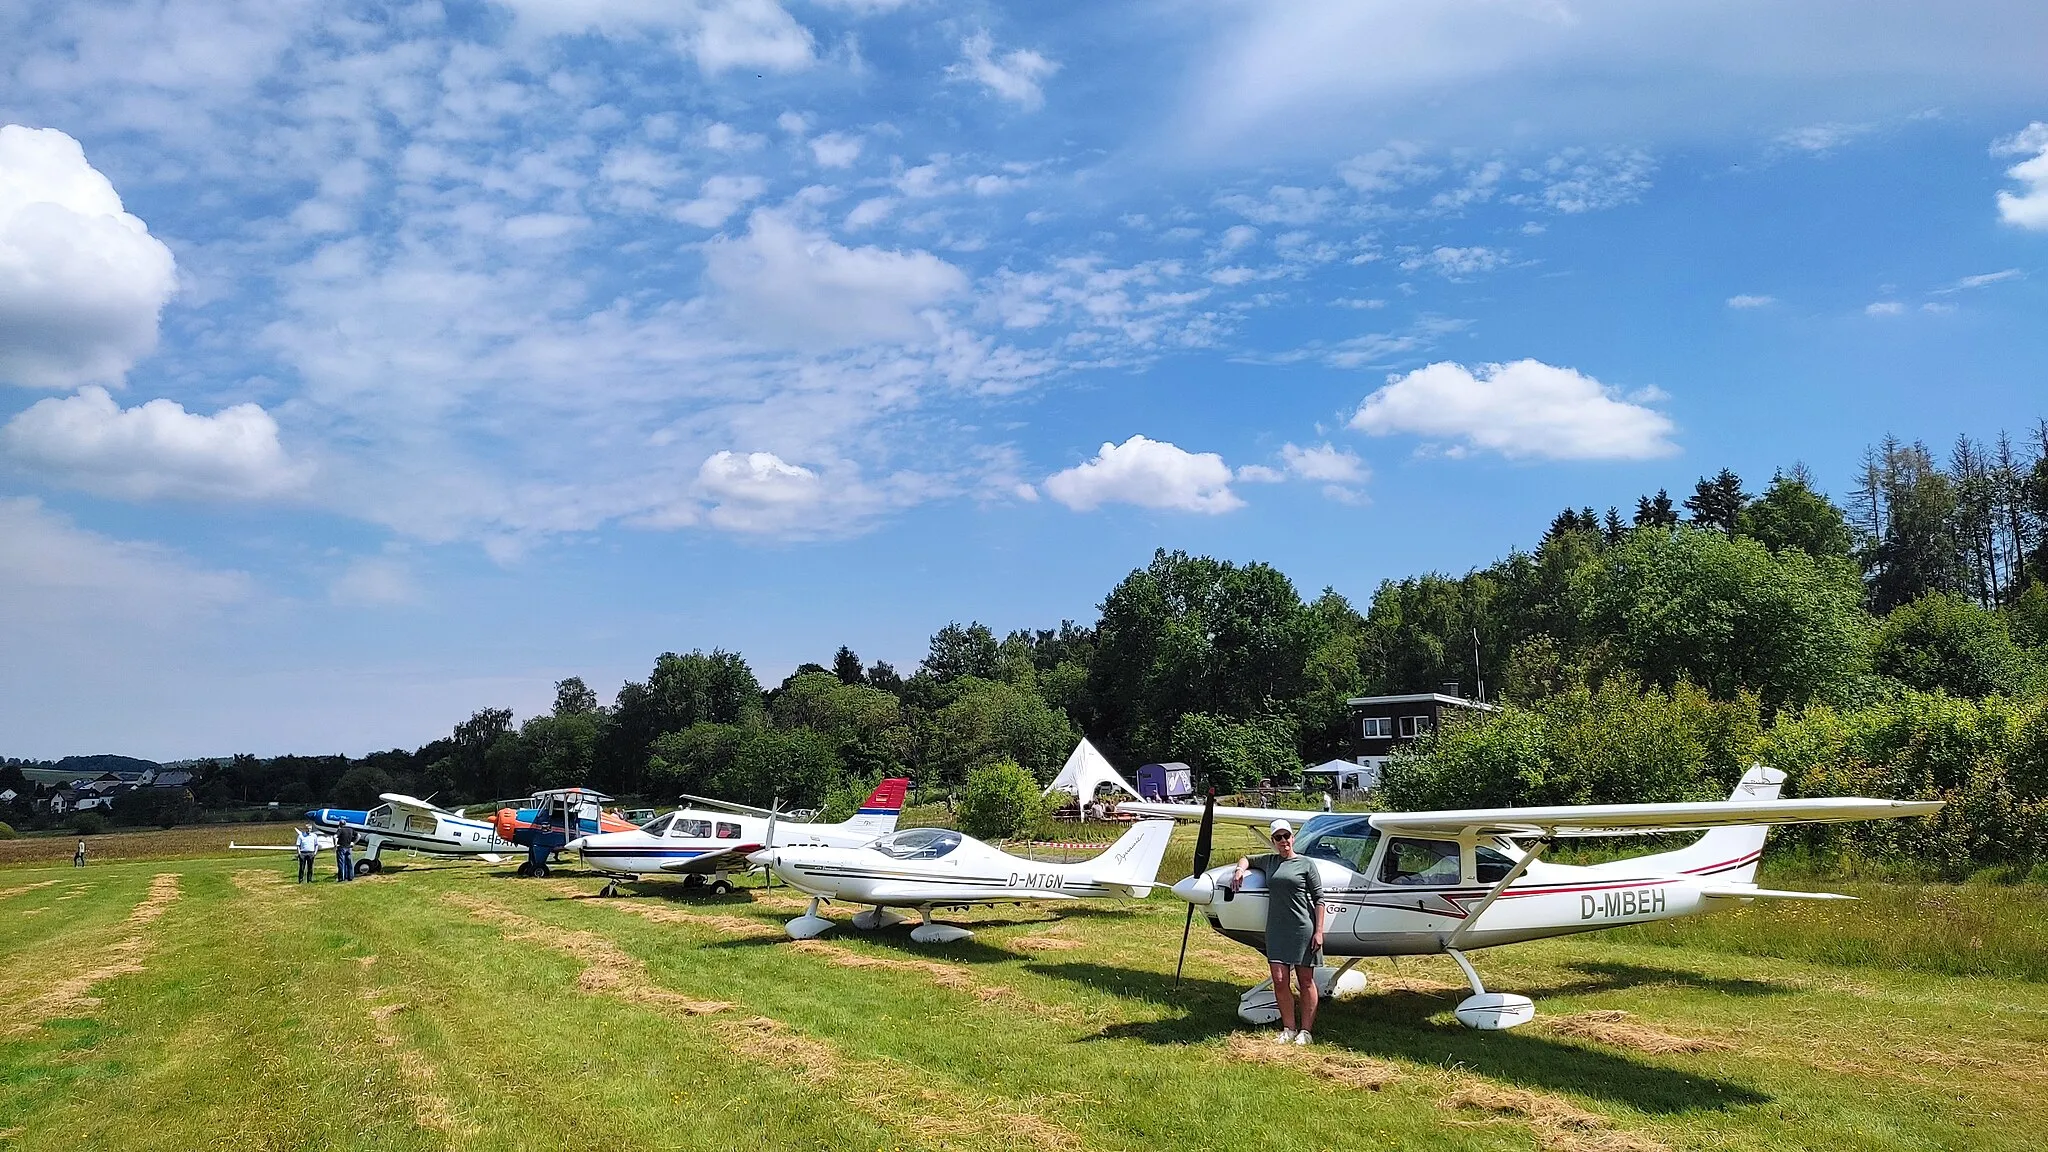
(344, 844)
(309, 847)
(78, 857)
(1294, 927)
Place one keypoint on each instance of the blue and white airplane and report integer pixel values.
(403, 822)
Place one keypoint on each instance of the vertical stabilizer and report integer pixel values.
(1132, 862)
(1726, 854)
(878, 813)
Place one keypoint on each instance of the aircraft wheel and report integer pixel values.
(720, 887)
(540, 871)
(367, 868)
(526, 868)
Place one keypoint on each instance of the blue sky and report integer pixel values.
(361, 366)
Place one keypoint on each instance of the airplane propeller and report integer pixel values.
(1203, 842)
(767, 873)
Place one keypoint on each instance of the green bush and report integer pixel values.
(88, 823)
(1000, 801)
(7, 831)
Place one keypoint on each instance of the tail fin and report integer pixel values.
(1727, 854)
(878, 813)
(1133, 862)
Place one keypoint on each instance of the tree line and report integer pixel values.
(1639, 656)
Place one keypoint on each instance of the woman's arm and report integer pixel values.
(1319, 911)
(1244, 864)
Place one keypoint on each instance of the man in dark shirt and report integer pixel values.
(344, 844)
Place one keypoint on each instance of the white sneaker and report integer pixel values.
(1286, 1036)
(1301, 1037)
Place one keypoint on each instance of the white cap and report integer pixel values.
(1280, 826)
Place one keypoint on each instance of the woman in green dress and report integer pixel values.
(1294, 927)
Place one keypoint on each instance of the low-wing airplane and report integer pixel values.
(1422, 883)
(698, 842)
(927, 868)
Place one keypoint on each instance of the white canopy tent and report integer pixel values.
(1085, 771)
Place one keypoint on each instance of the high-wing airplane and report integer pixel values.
(698, 842)
(927, 868)
(1422, 883)
(546, 822)
(416, 825)
(401, 822)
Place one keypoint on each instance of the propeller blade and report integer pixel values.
(774, 810)
(1204, 841)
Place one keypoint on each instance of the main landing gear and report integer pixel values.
(1258, 1006)
(810, 925)
(534, 868)
(718, 884)
(1490, 1011)
(931, 932)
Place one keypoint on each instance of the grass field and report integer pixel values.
(205, 1002)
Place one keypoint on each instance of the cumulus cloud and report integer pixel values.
(1884, 308)
(1326, 463)
(2027, 208)
(793, 287)
(718, 34)
(835, 150)
(1282, 204)
(1746, 301)
(1012, 76)
(719, 198)
(1521, 409)
(757, 492)
(1822, 137)
(1150, 474)
(153, 450)
(81, 281)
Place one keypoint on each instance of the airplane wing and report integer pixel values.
(711, 861)
(1626, 819)
(730, 806)
(1249, 817)
(1752, 892)
(266, 847)
(406, 803)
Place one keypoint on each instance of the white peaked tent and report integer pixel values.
(1087, 770)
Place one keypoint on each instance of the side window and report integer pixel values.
(1420, 862)
(728, 831)
(1492, 865)
(700, 829)
(1378, 727)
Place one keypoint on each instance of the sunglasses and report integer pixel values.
(1283, 835)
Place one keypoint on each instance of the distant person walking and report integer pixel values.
(344, 845)
(309, 846)
(78, 857)
(1294, 927)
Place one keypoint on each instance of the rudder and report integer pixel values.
(878, 813)
(1133, 861)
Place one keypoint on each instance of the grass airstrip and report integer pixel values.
(209, 1002)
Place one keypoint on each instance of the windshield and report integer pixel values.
(1348, 840)
(918, 843)
(656, 827)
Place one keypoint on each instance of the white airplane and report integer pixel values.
(404, 822)
(699, 842)
(927, 868)
(1422, 883)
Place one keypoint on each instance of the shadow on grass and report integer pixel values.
(1599, 976)
(1405, 1025)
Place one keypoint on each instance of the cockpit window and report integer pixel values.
(1349, 842)
(699, 829)
(657, 826)
(918, 843)
(1492, 866)
(1420, 862)
(379, 817)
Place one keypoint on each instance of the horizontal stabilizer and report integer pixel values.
(1751, 892)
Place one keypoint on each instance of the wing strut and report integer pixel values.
(1458, 937)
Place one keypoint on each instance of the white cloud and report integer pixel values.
(1282, 204)
(1521, 409)
(1387, 169)
(1012, 76)
(805, 289)
(723, 137)
(758, 492)
(1326, 463)
(81, 280)
(154, 450)
(835, 150)
(719, 198)
(374, 582)
(1235, 237)
(1884, 308)
(1577, 181)
(52, 571)
(718, 34)
(1455, 262)
(1260, 474)
(1747, 301)
(1822, 137)
(870, 212)
(1982, 279)
(1149, 474)
(2027, 208)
